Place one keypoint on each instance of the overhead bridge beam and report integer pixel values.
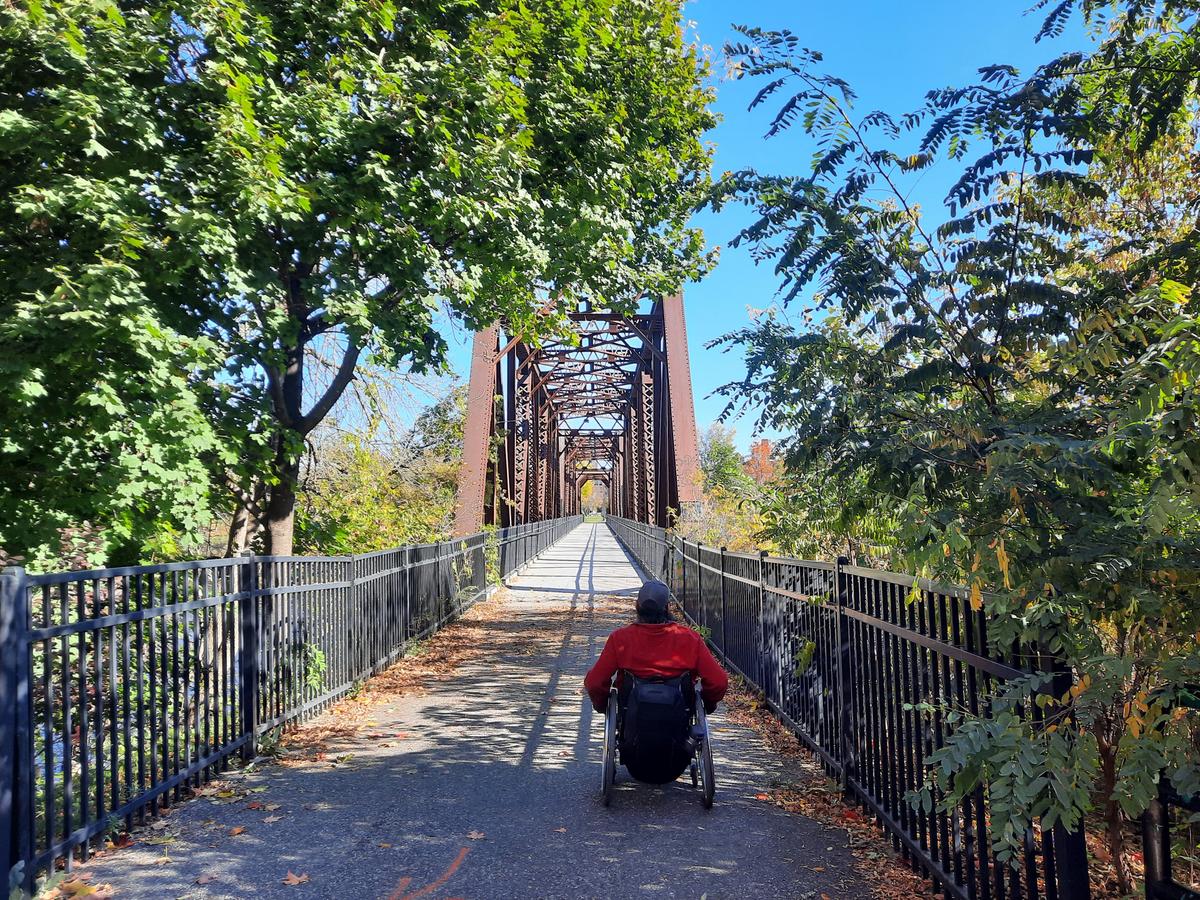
(543, 421)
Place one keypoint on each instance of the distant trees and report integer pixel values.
(761, 465)
(1008, 388)
(374, 488)
(720, 461)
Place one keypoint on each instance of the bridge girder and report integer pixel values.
(614, 406)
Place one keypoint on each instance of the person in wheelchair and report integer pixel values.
(656, 662)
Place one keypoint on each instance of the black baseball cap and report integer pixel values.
(652, 600)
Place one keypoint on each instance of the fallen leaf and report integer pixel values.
(206, 879)
(234, 832)
(293, 879)
(385, 846)
(271, 807)
(476, 835)
(271, 820)
(762, 796)
(254, 804)
(226, 794)
(76, 888)
(561, 830)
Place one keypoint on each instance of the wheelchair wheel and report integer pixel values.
(708, 785)
(608, 769)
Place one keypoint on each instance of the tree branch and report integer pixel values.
(275, 388)
(333, 393)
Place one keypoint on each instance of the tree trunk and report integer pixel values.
(238, 527)
(293, 425)
(1114, 824)
(287, 395)
(281, 508)
(247, 513)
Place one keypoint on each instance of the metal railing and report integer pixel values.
(120, 689)
(1171, 845)
(861, 665)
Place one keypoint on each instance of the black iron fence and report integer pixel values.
(1171, 846)
(120, 689)
(861, 665)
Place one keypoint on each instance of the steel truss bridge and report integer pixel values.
(613, 407)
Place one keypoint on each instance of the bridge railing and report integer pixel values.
(122, 689)
(862, 665)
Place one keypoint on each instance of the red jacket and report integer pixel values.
(664, 650)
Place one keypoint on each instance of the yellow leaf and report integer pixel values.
(1002, 561)
(976, 596)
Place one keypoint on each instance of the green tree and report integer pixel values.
(101, 421)
(473, 154)
(327, 176)
(1013, 385)
(720, 461)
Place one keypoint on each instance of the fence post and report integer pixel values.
(683, 596)
(762, 621)
(1156, 847)
(845, 696)
(406, 625)
(248, 671)
(724, 628)
(16, 812)
(1070, 847)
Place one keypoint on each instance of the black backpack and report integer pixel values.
(657, 712)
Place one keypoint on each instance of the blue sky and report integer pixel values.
(891, 52)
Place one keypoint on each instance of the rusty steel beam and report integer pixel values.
(472, 483)
(684, 442)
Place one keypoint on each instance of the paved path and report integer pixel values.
(492, 792)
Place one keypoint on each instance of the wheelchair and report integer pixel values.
(695, 736)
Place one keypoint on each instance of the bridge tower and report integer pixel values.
(616, 408)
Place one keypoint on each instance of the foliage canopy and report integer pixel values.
(255, 182)
(1012, 386)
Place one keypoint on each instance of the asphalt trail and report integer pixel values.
(493, 792)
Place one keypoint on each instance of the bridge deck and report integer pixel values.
(484, 785)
